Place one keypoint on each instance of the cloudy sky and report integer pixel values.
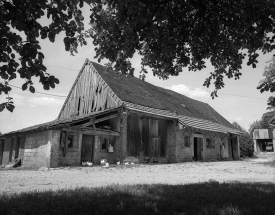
(239, 101)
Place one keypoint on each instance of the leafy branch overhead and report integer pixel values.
(173, 34)
(20, 30)
(268, 83)
(168, 34)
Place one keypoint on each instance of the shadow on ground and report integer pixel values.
(206, 198)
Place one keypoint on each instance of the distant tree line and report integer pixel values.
(261, 123)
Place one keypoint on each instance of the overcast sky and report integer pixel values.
(239, 101)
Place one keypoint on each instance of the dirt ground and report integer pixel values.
(248, 170)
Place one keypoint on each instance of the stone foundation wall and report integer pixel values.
(212, 153)
(171, 141)
(55, 142)
(73, 154)
(185, 151)
(37, 150)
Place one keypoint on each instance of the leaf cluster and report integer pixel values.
(173, 34)
(20, 31)
(268, 83)
(261, 123)
(246, 141)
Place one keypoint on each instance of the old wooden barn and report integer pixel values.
(110, 116)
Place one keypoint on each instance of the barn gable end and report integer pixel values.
(88, 94)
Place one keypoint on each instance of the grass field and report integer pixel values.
(204, 198)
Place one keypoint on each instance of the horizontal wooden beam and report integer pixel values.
(151, 115)
(93, 121)
(106, 118)
(93, 132)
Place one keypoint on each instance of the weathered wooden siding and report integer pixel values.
(6, 152)
(162, 131)
(134, 135)
(89, 93)
(146, 137)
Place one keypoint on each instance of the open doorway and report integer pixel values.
(198, 147)
(17, 146)
(2, 145)
(87, 148)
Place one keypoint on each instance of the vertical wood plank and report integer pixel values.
(133, 136)
(146, 137)
(162, 133)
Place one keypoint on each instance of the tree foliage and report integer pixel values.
(173, 34)
(262, 123)
(268, 83)
(271, 103)
(20, 30)
(246, 142)
(168, 34)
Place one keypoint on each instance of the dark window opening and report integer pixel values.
(70, 141)
(2, 145)
(93, 105)
(78, 108)
(105, 143)
(11, 149)
(186, 141)
(209, 143)
(17, 146)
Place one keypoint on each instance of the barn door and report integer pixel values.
(198, 147)
(155, 147)
(17, 145)
(199, 154)
(11, 149)
(87, 148)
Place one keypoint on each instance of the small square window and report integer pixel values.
(209, 143)
(70, 141)
(186, 141)
(105, 143)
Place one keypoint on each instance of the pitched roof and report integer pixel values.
(133, 90)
